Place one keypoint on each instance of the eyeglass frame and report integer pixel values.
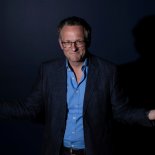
(68, 44)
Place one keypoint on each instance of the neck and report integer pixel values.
(76, 65)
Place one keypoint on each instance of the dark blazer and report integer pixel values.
(104, 100)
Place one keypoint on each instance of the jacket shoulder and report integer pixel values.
(103, 63)
(53, 63)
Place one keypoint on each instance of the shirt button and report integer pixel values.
(74, 118)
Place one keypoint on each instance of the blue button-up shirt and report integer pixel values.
(74, 136)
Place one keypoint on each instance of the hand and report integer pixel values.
(151, 115)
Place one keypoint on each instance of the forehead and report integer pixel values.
(72, 30)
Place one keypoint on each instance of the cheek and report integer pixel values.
(83, 50)
(65, 51)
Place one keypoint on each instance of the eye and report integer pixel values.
(68, 44)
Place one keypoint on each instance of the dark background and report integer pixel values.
(28, 36)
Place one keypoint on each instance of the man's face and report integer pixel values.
(72, 43)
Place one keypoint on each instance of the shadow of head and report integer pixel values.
(144, 36)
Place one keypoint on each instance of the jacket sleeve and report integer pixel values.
(31, 107)
(122, 109)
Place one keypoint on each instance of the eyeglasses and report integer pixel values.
(68, 44)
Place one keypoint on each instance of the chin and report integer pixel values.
(76, 59)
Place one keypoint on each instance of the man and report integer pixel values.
(79, 96)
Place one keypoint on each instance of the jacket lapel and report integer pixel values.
(90, 85)
(60, 87)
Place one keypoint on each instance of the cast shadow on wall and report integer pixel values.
(138, 78)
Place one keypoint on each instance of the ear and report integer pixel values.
(60, 43)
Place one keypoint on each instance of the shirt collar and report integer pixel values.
(84, 65)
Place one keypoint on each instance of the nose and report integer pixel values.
(74, 46)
